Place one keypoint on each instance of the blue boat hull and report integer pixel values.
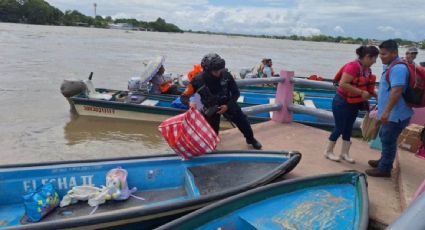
(334, 201)
(171, 187)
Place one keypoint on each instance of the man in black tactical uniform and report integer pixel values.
(219, 94)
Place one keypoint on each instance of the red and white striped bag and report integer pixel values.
(189, 134)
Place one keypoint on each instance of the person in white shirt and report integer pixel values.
(161, 85)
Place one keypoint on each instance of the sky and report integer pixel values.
(377, 19)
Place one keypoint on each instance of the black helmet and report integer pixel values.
(212, 61)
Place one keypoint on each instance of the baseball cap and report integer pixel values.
(412, 50)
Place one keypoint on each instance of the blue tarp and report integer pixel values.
(178, 104)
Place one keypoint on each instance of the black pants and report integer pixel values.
(237, 117)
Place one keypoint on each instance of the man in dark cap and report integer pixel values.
(219, 94)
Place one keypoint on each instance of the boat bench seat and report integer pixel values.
(100, 96)
(244, 171)
(150, 102)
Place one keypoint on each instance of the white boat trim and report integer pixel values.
(150, 102)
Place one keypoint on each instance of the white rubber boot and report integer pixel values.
(330, 151)
(345, 152)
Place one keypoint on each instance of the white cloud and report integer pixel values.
(250, 21)
(386, 29)
(361, 18)
(339, 29)
(390, 30)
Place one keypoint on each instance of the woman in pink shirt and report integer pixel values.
(356, 85)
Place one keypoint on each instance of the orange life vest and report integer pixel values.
(189, 91)
(363, 81)
(195, 71)
(314, 77)
(164, 87)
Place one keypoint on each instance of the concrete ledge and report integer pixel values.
(412, 173)
(384, 197)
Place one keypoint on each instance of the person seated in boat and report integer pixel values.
(356, 85)
(268, 69)
(219, 94)
(161, 85)
(258, 69)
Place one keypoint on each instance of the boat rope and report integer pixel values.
(94, 210)
(137, 197)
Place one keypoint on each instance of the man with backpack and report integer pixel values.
(393, 110)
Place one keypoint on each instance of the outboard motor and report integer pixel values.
(72, 87)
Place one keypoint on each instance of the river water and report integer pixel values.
(35, 122)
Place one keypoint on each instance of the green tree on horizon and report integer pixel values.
(10, 11)
(42, 13)
(161, 25)
(71, 17)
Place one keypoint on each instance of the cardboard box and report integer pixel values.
(410, 138)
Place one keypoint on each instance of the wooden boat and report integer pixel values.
(157, 108)
(334, 201)
(171, 187)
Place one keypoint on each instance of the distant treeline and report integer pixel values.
(322, 38)
(42, 13)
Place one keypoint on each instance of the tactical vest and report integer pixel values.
(207, 97)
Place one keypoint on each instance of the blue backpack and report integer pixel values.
(40, 202)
